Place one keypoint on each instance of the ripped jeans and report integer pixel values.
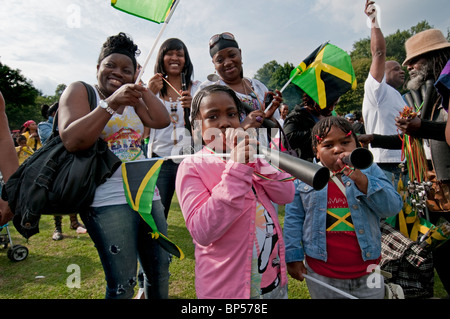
(121, 236)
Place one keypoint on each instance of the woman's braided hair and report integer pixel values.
(122, 44)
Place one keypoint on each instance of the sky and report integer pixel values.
(58, 41)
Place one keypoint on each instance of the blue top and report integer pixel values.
(305, 217)
(45, 129)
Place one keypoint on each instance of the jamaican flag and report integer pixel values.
(325, 74)
(153, 10)
(139, 181)
(416, 228)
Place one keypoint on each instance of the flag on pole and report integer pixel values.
(325, 74)
(153, 10)
(139, 182)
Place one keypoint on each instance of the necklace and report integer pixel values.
(174, 118)
(252, 93)
(100, 92)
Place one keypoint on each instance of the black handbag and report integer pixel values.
(54, 181)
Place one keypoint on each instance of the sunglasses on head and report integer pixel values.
(215, 38)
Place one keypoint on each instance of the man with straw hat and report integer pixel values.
(427, 53)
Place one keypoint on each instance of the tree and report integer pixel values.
(275, 76)
(16, 89)
(23, 100)
(50, 99)
(20, 96)
(361, 58)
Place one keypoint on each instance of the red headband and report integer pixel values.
(28, 123)
(320, 138)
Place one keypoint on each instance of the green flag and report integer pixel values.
(153, 10)
(325, 74)
(139, 181)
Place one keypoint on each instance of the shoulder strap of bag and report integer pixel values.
(92, 98)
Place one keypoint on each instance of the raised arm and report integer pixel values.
(377, 43)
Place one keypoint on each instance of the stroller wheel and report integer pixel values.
(17, 253)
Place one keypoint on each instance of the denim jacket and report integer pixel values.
(305, 217)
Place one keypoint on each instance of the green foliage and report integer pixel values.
(23, 100)
(352, 100)
(275, 76)
(16, 89)
(20, 95)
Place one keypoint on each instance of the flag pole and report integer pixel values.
(166, 22)
(283, 88)
(343, 293)
(296, 73)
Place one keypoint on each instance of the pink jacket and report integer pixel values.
(219, 208)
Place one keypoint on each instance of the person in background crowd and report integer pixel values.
(350, 117)
(358, 124)
(382, 102)
(298, 125)
(284, 111)
(45, 129)
(29, 130)
(443, 87)
(23, 150)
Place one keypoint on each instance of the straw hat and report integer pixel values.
(424, 42)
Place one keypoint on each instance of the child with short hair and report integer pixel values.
(334, 234)
(239, 248)
(23, 150)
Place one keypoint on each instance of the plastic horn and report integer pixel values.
(360, 158)
(312, 174)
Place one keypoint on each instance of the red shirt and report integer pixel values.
(344, 259)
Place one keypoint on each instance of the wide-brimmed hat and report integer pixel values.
(424, 42)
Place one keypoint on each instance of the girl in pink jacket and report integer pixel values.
(227, 205)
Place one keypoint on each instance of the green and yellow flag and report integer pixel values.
(153, 10)
(139, 182)
(325, 74)
(416, 228)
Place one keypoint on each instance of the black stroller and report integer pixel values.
(15, 252)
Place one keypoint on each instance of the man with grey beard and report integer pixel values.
(426, 56)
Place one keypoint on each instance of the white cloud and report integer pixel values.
(55, 42)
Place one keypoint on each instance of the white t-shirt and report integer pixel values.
(161, 141)
(123, 134)
(381, 105)
(258, 88)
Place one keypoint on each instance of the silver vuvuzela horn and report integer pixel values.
(314, 175)
(360, 158)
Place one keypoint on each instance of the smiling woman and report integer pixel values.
(173, 83)
(124, 109)
(227, 59)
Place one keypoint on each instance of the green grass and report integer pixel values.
(44, 273)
